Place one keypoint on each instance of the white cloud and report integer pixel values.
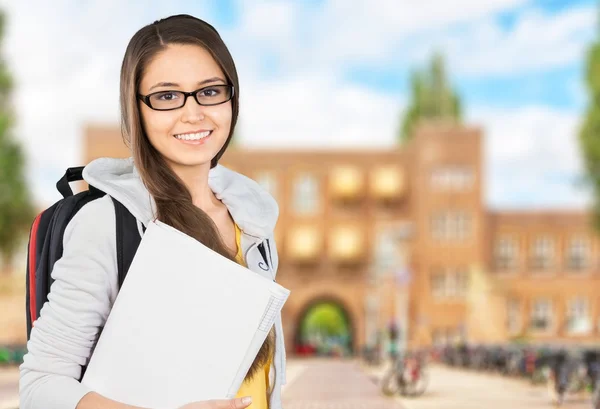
(268, 21)
(342, 32)
(66, 59)
(538, 41)
(532, 158)
(312, 112)
(65, 62)
(468, 32)
(369, 29)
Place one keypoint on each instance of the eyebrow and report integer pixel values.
(173, 84)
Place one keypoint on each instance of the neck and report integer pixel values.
(195, 179)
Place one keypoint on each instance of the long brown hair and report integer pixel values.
(173, 200)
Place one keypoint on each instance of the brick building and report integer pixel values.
(403, 235)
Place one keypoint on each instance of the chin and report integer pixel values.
(194, 162)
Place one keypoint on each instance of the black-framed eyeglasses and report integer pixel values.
(206, 96)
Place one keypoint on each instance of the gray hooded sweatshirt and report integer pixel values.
(86, 282)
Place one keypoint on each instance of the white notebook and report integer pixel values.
(186, 326)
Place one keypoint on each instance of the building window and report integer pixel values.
(513, 316)
(578, 316)
(267, 181)
(346, 184)
(438, 285)
(578, 254)
(506, 254)
(387, 183)
(306, 195)
(451, 226)
(462, 283)
(385, 252)
(449, 284)
(452, 178)
(541, 315)
(542, 255)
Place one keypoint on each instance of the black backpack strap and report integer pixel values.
(263, 253)
(71, 175)
(267, 265)
(269, 247)
(128, 239)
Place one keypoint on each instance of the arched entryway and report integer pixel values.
(324, 328)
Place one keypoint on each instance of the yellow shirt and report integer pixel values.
(257, 386)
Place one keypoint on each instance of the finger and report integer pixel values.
(239, 403)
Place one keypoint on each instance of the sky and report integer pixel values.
(328, 74)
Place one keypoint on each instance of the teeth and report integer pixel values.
(193, 136)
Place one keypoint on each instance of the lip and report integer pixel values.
(192, 132)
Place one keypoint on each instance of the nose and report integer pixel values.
(192, 111)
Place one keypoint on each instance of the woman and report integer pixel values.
(179, 105)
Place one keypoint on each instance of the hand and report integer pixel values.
(239, 403)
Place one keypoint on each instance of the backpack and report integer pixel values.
(46, 240)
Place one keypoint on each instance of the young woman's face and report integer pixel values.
(180, 135)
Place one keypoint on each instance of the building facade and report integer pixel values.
(402, 237)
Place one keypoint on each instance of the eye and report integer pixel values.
(209, 92)
(166, 96)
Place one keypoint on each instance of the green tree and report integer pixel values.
(16, 208)
(589, 136)
(325, 318)
(432, 98)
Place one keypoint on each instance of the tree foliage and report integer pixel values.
(589, 136)
(432, 98)
(16, 208)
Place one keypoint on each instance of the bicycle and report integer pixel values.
(407, 377)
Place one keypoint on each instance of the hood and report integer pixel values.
(251, 207)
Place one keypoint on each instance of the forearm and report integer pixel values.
(94, 400)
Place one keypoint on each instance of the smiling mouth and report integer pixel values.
(193, 136)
